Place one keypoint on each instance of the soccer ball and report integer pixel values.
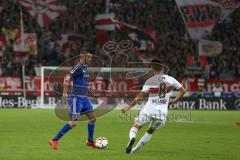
(101, 142)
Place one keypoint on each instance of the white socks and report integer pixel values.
(133, 132)
(142, 141)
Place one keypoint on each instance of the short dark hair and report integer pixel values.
(85, 53)
(156, 65)
(156, 61)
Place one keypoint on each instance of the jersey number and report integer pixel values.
(162, 90)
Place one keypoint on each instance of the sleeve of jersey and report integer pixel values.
(176, 84)
(145, 87)
(76, 72)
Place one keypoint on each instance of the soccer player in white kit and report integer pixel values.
(158, 88)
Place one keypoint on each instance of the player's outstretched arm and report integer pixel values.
(139, 97)
(180, 94)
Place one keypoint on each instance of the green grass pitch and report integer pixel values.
(211, 135)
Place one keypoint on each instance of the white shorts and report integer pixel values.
(154, 123)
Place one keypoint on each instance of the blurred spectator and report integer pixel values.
(217, 90)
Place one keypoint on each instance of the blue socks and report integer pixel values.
(67, 127)
(90, 131)
(64, 130)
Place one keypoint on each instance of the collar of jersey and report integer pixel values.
(83, 65)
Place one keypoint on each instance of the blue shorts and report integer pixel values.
(78, 105)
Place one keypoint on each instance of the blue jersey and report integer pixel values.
(79, 75)
(78, 101)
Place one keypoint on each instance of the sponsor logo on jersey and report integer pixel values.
(159, 101)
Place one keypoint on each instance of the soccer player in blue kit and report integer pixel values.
(77, 100)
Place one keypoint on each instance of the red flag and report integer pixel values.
(20, 50)
(105, 22)
(209, 48)
(199, 16)
(44, 11)
(144, 40)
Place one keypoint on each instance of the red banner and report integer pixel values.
(227, 85)
(120, 86)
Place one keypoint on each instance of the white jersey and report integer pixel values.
(159, 88)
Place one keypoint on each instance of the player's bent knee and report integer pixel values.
(137, 126)
(93, 120)
(150, 131)
(73, 123)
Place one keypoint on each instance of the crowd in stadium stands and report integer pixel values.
(174, 44)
